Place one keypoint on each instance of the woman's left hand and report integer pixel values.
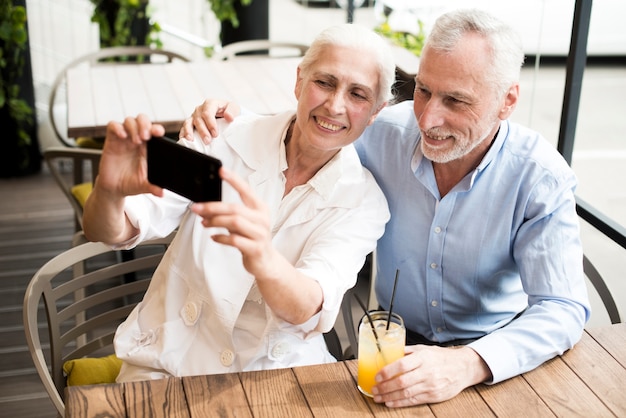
(247, 223)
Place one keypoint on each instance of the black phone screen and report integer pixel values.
(184, 171)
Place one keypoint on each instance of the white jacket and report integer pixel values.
(184, 325)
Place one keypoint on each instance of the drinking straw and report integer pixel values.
(393, 295)
(370, 319)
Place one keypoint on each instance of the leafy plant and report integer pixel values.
(117, 19)
(13, 39)
(224, 10)
(410, 41)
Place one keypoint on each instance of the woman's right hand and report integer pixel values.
(204, 119)
(123, 165)
(123, 172)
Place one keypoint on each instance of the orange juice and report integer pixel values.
(372, 356)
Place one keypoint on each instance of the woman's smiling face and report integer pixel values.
(336, 98)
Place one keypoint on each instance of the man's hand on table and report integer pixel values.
(429, 374)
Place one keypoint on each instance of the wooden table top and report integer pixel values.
(169, 92)
(589, 380)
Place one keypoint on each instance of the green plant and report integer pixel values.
(13, 40)
(125, 22)
(410, 41)
(224, 10)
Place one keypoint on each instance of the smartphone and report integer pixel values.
(183, 170)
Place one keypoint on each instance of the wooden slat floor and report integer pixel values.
(36, 223)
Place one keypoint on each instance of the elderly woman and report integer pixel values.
(253, 281)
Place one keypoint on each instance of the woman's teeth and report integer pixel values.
(327, 125)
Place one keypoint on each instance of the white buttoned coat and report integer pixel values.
(184, 325)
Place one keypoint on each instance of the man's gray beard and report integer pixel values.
(460, 150)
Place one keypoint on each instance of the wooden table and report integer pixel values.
(169, 92)
(587, 381)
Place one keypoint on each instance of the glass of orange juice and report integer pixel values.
(375, 353)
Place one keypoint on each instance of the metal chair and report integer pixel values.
(603, 291)
(58, 110)
(261, 46)
(83, 165)
(80, 152)
(80, 313)
(368, 272)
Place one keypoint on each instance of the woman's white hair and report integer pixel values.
(358, 37)
(506, 57)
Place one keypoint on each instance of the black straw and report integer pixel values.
(370, 319)
(393, 295)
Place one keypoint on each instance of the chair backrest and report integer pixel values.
(261, 46)
(74, 170)
(603, 291)
(352, 312)
(81, 312)
(134, 54)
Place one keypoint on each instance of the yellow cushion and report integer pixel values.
(81, 192)
(89, 142)
(92, 371)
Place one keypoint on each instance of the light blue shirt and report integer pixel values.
(503, 241)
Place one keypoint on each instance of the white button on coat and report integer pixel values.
(227, 357)
(190, 313)
(281, 349)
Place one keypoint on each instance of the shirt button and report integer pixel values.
(227, 357)
(280, 349)
(439, 329)
(190, 313)
(433, 265)
(437, 230)
(433, 303)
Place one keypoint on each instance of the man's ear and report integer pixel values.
(373, 117)
(510, 101)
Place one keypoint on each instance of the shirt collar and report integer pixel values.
(497, 145)
(328, 176)
(256, 153)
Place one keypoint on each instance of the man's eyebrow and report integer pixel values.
(458, 95)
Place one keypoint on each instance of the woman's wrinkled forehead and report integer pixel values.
(371, 45)
(349, 65)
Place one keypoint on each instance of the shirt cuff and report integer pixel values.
(491, 351)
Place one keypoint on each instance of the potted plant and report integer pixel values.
(402, 26)
(410, 41)
(241, 19)
(227, 10)
(125, 23)
(20, 149)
